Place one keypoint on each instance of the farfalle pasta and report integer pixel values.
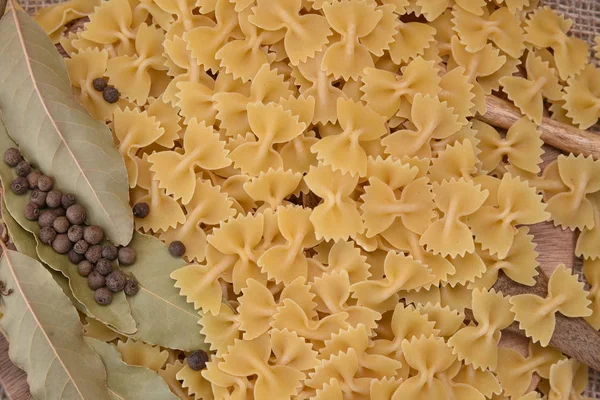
(582, 93)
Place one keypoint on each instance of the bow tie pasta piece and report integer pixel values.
(292, 350)
(456, 200)
(478, 345)
(343, 151)
(54, 18)
(167, 116)
(271, 124)
(273, 186)
(591, 271)
(394, 173)
(399, 5)
(337, 217)
(484, 381)
(112, 23)
(221, 330)
(432, 120)
(205, 41)
(345, 257)
(430, 9)
(573, 208)
(568, 379)
(455, 162)
(382, 36)
(208, 206)
(457, 91)
(296, 153)
(383, 388)
(522, 146)
(385, 92)
(252, 357)
(589, 237)
(401, 273)
(411, 39)
(83, 67)
(468, 269)
(536, 315)
(447, 321)
(381, 207)
(528, 94)
(220, 384)
(139, 353)
(305, 34)
(583, 96)
(518, 204)
(499, 27)
(177, 172)
(545, 29)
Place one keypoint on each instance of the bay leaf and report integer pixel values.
(45, 334)
(54, 131)
(163, 316)
(118, 314)
(127, 381)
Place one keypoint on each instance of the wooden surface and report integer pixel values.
(12, 379)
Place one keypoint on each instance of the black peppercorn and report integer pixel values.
(19, 185)
(93, 234)
(95, 280)
(103, 296)
(111, 94)
(12, 157)
(103, 266)
(61, 224)
(131, 287)
(81, 246)
(197, 360)
(53, 198)
(99, 84)
(94, 253)
(67, 200)
(31, 211)
(46, 218)
(23, 169)
(177, 248)
(75, 233)
(61, 244)
(85, 268)
(47, 235)
(74, 257)
(45, 183)
(141, 210)
(38, 197)
(110, 252)
(115, 281)
(127, 255)
(76, 214)
(32, 178)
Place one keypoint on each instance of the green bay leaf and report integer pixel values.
(45, 335)
(127, 381)
(163, 316)
(55, 132)
(118, 314)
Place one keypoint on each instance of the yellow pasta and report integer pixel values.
(582, 93)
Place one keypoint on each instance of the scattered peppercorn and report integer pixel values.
(31, 211)
(61, 244)
(75, 233)
(94, 253)
(76, 214)
(197, 360)
(74, 257)
(61, 224)
(115, 281)
(53, 198)
(19, 185)
(45, 183)
(67, 200)
(131, 287)
(38, 198)
(46, 218)
(47, 235)
(32, 178)
(104, 266)
(85, 268)
(12, 157)
(23, 169)
(60, 212)
(93, 234)
(111, 94)
(99, 84)
(127, 255)
(95, 280)
(177, 248)
(81, 246)
(103, 296)
(141, 210)
(110, 252)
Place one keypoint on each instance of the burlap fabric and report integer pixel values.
(586, 17)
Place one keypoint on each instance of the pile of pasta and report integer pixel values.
(342, 207)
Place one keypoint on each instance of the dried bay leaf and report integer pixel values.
(163, 316)
(118, 314)
(53, 130)
(129, 382)
(45, 334)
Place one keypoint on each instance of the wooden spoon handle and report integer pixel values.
(503, 114)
